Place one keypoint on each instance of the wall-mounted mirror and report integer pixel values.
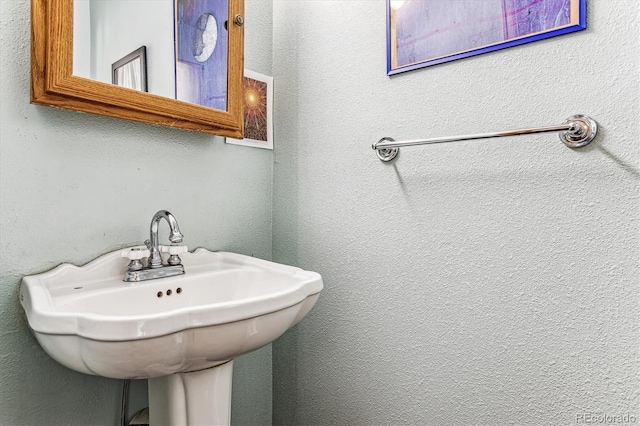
(193, 60)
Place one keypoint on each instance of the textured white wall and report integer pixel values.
(486, 282)
(74, 186)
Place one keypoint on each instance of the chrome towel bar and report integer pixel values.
(576, 131)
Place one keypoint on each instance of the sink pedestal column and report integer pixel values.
(196, 398)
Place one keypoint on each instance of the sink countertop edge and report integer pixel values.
(76, 323)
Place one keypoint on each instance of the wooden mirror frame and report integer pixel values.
(53, 82)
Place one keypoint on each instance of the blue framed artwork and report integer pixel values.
(421, 33)
(202, 44)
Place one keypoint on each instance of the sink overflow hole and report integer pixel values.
(159, 294)
(169, 292)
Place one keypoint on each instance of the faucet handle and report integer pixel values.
(173, 250)
(135, 253)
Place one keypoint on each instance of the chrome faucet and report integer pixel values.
(155, 267)
(155, 259)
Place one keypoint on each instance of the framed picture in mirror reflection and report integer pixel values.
(202, 45)
(131, 71)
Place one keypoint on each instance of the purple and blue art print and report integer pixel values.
(202, 42)
(421, 33)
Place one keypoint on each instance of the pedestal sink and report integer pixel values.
(182, 333)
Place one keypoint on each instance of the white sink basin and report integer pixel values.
(88, 319)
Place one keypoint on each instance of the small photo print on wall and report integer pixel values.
(258, 105)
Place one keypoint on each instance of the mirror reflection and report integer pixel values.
(186, 44)
(131, 71)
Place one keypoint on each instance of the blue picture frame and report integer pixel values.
(202, 49)
(422, 33)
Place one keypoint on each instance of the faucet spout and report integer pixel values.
(175, 236)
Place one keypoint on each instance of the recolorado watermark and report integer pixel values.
(606, 418)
